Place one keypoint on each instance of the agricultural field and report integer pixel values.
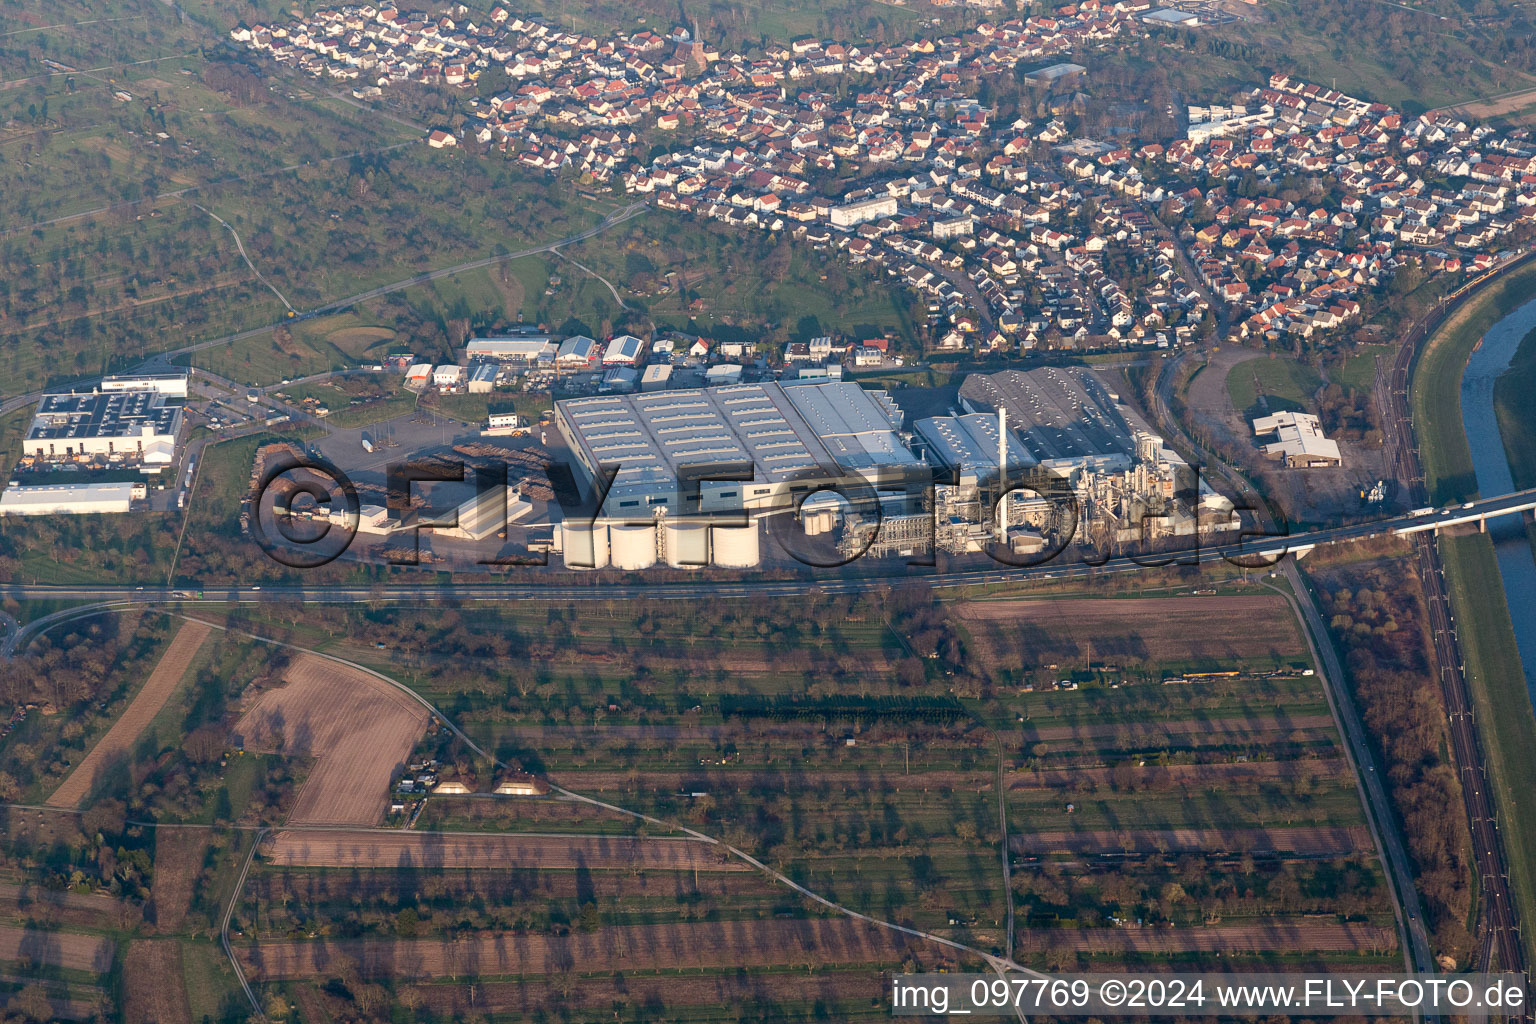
(105, 756)
(130, 189)
(356, 728)
(871, 752)
(1195, 786)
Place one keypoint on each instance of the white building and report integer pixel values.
(576, 351)
(70, 499)
(1297, 440)
(953, 227)
(448, 375)
(623, 350)
(851, 214)
(171, 384)
(482, 379)
(127, 424)
(523, 348)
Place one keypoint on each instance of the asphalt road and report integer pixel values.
(1254, 552)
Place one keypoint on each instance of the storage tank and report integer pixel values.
(585, 545)
(818, 521)
(632, 545)
(736, 547)
(687, 544)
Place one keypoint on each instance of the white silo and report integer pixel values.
(632, 545)
(736, 547)
(585, 544)
(687, 544)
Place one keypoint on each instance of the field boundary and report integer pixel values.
(156, 692)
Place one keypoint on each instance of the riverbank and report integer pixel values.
(1494, 673)
(1514, 403)
(1435, 399)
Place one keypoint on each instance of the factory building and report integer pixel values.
(134, 420)
(576, 352)
(780, 441)
(623, 350)
(1297, 439)
(526, 349)
(1130, 486)
(173, 385)
(968, 445)
(70, 499)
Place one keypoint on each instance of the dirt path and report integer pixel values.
(145, 705)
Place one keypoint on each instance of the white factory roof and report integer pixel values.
(784, 433)
(970, 442)
(66, 498)
(625, 348)
(1296, 434)
(576, 349)
(527, 347)
(857, 427)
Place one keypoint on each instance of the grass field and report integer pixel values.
(315, 346)
(1358, 371)
(1283, 383)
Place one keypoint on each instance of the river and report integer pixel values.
(1517, 564)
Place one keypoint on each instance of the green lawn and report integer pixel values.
(1358, 370)
(473, 409)
(1284, 384)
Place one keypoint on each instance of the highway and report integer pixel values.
(1249, 552)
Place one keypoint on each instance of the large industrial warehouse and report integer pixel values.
(792, 437)
(1060, 413)
(968, 444)
(128, 419)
